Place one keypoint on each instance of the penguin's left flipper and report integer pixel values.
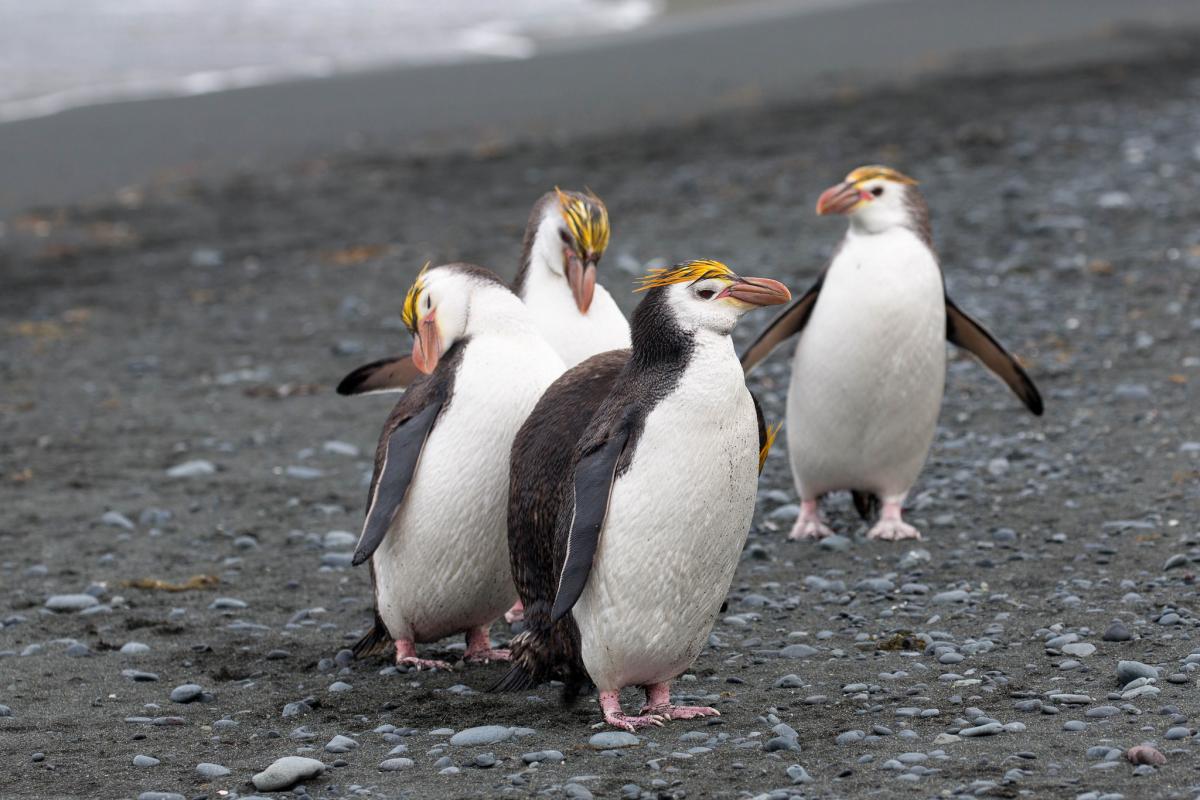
(392, 374)
(787, 324)
(595, 473)
(766, 433)
(968, 334)
(393, 474)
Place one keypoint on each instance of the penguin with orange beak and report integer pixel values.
(870, 363)
(435, 532)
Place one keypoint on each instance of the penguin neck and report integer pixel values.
(659, 343)
(541, 267)
(499, 312)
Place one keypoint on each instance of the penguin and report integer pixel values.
(625, 531)
(870, 366)
(435, 524)
(564, 240)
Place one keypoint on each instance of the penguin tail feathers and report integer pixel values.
(517, 679)
(527, 671)
(377, 641)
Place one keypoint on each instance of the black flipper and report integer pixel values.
(968, 334)
(392, 374)
(790, 322)
(594, 477)
(377, 640)
(865, 503)
(400, 457)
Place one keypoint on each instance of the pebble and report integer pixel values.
(228, 604)
(851, 737)
(340, 744)
(988, 729)
(396, 764)
(1102, 711)
(798, 651)
(946, 598)
(134, 649)
(1079, 649)
(1074, 725)
(191, 469)
(1178, 732)
(1117, 632)
(186, 693)
(484, 734)
(789, 681)
(484, 760)
(1145, 754)
(71, 602)
(138, 676)
(287, 772)
(577, 792)
(117, 520)
(145, 761)
(160, 796)
(1130, 670)
(543, 755)
(210, 772)
(798, 774)
(611, 740)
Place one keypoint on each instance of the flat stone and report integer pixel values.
(798, 651)
(1079, 649)
(191, 469)
(138, 676)
(134, 649)
(287, 772)
(187, 693)
(1117, 632)
(71, 602)
(553, 756)
(396, 764)
(790, 681)
(1129, 670)
(210, 772)
(988, 729)
(481, 735)
(954, 596)
(145, 761)
(340, 744)
(611, 740)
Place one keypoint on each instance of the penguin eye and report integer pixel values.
(878, 190)
(705, 294)
(566, 237)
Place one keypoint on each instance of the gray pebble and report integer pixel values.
(1074, 725)
(70, 602)
(138, 676)
(340, 686)
(1117, 632)
(191, 469)
(145, 761)
(798, 774)
(988, 729)
(134, 649)
(287, 772)
(340, 744)
(186, 693)
(611, 740)
(1178, 732)
(1129, 670)
(851, 737)
(485, 760)
(396, 764)
(798, 651)
(543, 755)
(790, 681)
(576, 791)
(484, 734)
(210, 772)
(1080, 649)
(954, 596)
(227, 604)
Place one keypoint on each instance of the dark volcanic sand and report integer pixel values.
(210, 322)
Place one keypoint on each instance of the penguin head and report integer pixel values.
(437, 309)
(875, 198)
(707, 295)
(570, 231)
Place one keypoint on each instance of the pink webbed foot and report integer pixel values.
(610, 703)
(516, 613)
(406, 656)
(658, 703)
(808, 524)
(891, 527)
(480, 650)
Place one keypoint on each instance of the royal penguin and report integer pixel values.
(870, 363)
(435, 529)
(625, 531)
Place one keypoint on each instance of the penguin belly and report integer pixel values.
(574, 336)
(677, 522)
(443, 567)
(869, 370)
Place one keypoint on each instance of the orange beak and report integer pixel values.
(582, 278)
(841, 199)
(757, 291)
(427, 344)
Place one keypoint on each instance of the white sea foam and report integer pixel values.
(58, 54)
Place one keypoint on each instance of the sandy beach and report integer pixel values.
(168, 359)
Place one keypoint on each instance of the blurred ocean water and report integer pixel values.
(57, 54)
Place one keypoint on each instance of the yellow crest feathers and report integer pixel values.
(587, 219)
(411, 300)
(687, 272)
(873, 171)
(772, 432)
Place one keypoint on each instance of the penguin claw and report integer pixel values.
(515, 614)
(893, 530)
(809, 528)
(488, 656)
(632, 724)
(681, 712)
(419, 664)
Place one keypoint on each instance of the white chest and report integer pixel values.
(573, 335)
(677, 521)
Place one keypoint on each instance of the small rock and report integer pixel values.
(542, 756)
(287, 772)
(798, 651)
(145, 761)
(134, 649)
(790, 681)
(482, 735)
(191, 469)
(117, 520)
(611, 740)
(186, 693)
(340, 744)
(798, 774)
(988, 729)
(210, 772)
(1117, 632)
(850, 737)
(71, 602)
(1129, 670)
(1080, 649)
(396, 764)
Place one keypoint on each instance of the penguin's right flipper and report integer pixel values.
(790, 322)
(392, 374)
(595, 473)
(394, 470)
